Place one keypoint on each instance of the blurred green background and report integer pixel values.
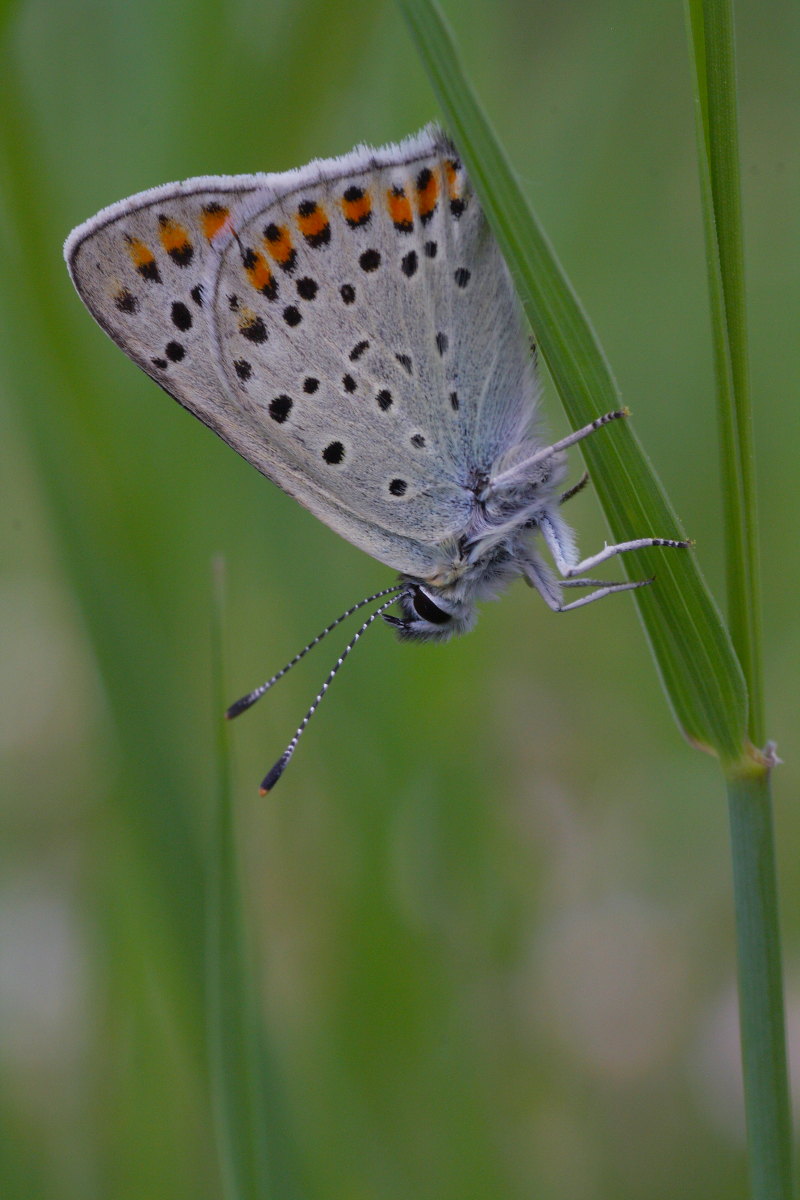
(491, 898)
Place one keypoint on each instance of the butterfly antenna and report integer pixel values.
(240, 705)
(272, 777)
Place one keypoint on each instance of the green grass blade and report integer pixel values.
(695, 658)
(761, 1015)
(711, 34)
(150, 798)
(235, 1043)
(761, 1007)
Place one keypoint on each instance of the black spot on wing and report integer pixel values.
(181, 317)
(333, 453)
(370, 260)
(280, 407)
(408, 264)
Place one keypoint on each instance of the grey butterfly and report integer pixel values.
(351, 329)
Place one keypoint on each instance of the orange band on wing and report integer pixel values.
(399, 207)
(212, 218)
(143, 259)
(278, 242)
(259, 274)
(427, 186)
(175, 240)
(356, 206)
(451, 171)
(313, 223)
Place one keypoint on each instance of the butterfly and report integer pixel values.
(352, 330)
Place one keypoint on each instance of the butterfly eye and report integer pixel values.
(425, 608)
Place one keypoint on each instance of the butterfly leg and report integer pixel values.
(541, 579)
(596, 583)
(608, 590)
(576, 487)
(557, 537)
(521, 470)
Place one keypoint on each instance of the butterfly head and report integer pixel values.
(431, 613)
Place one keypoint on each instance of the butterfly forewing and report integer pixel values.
(139, 265)
(325, 304)
(349, 328)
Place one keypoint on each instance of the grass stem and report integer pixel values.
(761, 1009)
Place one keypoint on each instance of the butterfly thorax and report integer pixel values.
(494, 549)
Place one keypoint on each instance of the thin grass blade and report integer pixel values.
(710, 24)
(234, 1037)
(761, 1004)
(698, 667)
(761, 1008)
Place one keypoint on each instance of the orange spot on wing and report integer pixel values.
(173, 236)
(454, 186)
(311, 220)
(258, 272)
(399, 207)
(451, 174)
(427, 192)
(356, 206)
(213, 217)
(141, 255)
(279, 244)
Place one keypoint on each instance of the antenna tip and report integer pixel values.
(239, 706)
(272, 777)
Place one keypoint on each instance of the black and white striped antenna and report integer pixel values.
(257, 693)
(272, 776)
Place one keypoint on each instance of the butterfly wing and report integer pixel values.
(349, 328)
(138, 267)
